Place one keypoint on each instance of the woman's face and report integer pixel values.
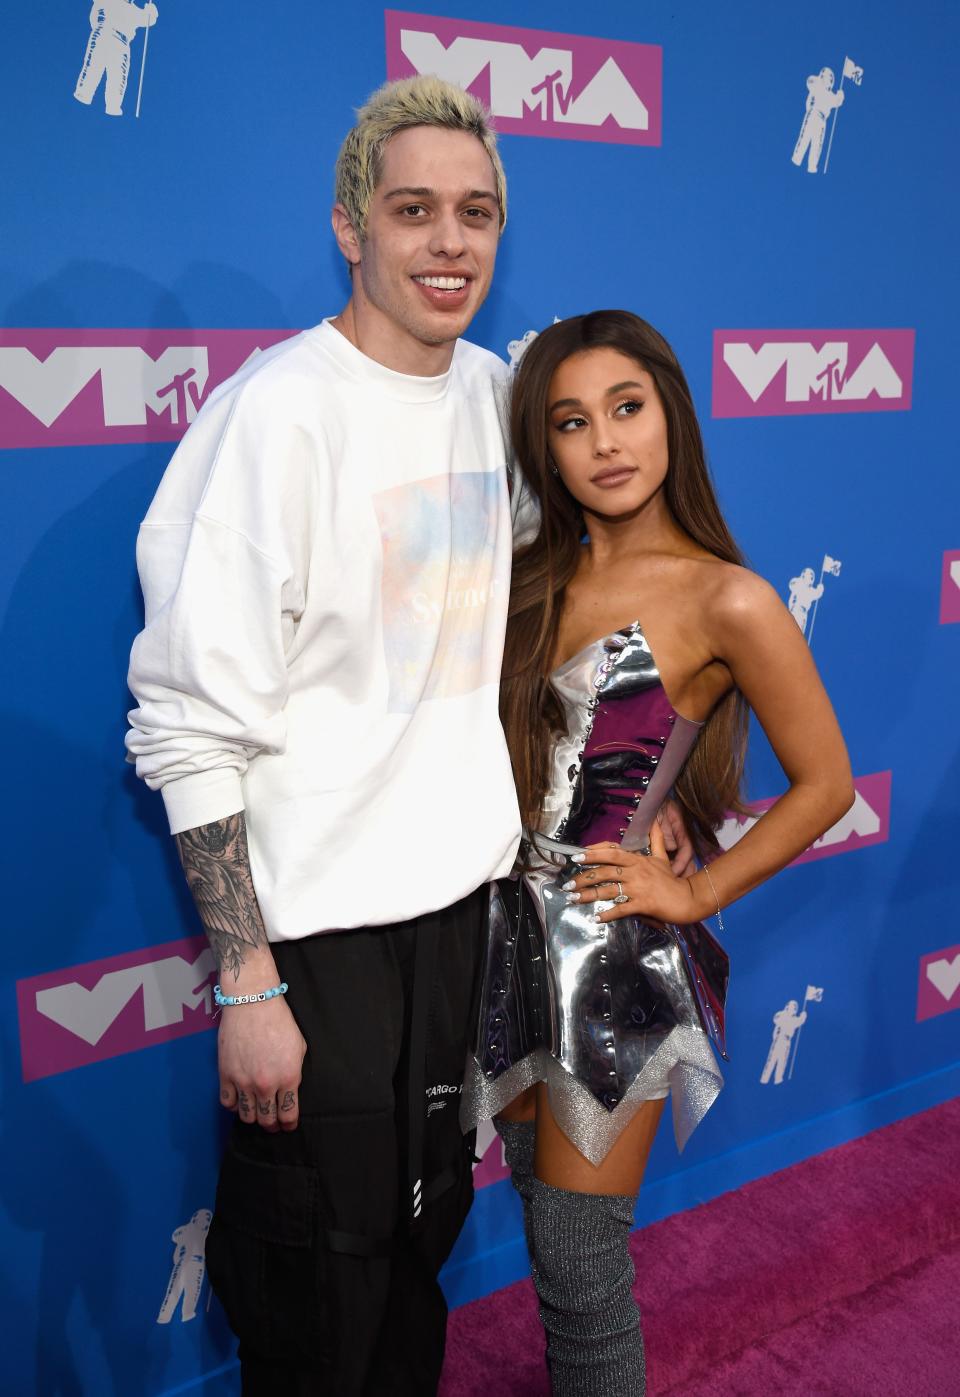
(607, 431)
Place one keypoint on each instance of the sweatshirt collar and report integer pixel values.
(405, 387)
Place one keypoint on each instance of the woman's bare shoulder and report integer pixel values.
(737, 599)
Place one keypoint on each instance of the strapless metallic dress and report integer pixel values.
(608, 1014)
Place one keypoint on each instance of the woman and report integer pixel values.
(602, 992)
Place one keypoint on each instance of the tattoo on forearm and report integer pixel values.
(217, 864)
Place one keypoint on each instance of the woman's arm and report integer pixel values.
(770, 663)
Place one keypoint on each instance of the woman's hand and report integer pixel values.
(646, 881)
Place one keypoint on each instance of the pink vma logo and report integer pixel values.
(939, 988)
(71, 1018)
(950, 588)
(866, 822)
(538, 83)
(780, 373)
(93, 387)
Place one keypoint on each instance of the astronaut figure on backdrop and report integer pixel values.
(821, 101)
(803, 593)
(786, 1021)
(189, 1267)
(113, 25)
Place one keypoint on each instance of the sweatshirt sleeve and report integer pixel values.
(221, 599)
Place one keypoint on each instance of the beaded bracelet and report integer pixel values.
(221, 999)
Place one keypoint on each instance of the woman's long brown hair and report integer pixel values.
(709, 785)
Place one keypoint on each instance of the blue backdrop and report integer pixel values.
(208, 211)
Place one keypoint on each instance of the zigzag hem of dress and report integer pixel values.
(683, 1068)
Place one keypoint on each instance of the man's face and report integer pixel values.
(431, 242)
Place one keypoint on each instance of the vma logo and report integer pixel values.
(780, 373)
(939, 989)
(866, 822)
(950, 588)
(94, 387)
(492, 1166)
(71, 1018)
(538, 83)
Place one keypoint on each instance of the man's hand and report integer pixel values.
(260, 1047)
(677, 840)
(260, 1051)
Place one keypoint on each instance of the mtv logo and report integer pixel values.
(866, 822)
(768, 373)
(950, 588)
(88, 387)
(535, 82)
(71, 1018)
(939, 989)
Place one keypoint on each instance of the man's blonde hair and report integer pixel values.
(424, 100)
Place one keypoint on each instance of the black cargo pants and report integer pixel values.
(326, 1241)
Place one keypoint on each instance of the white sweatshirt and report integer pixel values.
(325, 569)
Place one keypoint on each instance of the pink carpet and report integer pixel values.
(798, 1282)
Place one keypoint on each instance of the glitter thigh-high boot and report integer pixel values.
(518, 1141)
(583, 1274)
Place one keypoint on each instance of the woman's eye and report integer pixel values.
(629, 407)
(569, 422)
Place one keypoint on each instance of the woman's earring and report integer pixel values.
(553, 469)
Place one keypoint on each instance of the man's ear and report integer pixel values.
(346, 235)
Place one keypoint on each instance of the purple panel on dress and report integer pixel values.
(620, 759)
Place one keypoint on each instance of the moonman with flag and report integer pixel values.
(821, 101)
(113, 25)
(786, 1022)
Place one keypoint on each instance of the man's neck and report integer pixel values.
(388, 343)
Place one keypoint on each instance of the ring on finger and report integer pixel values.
(621, 896)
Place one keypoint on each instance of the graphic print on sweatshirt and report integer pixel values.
(438, 560)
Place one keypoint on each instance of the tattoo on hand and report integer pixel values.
(217, 864)
(265, 1108)
(244, 1101)
(288, 1102)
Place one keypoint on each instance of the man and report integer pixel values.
(326, 572)
(326, 569)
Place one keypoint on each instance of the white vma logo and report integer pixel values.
(189, 1268)
(805, 594)
(785, 1043)
(944, 975)
(861, 820)
(813, 373)
(822, 103)
(131, 381)
(169, 986)
(113, 27)
(522, 86)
